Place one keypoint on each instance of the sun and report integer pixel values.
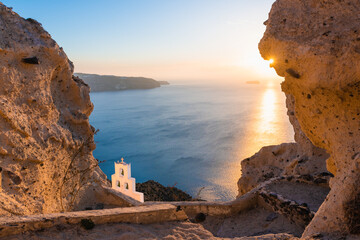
(258, 66)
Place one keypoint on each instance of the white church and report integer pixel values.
(122, 181)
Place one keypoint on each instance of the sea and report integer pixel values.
(193, 137)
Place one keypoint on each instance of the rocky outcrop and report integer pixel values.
(287, 159)
(154, 191)
(46, 141)
(315, 46)
(105, 83)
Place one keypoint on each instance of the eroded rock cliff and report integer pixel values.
(46, 141)
(315, 45)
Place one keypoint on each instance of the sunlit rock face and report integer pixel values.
(316, 47)
(46, 141)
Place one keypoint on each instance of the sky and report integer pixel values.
(173, 40)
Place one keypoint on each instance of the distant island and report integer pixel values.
(104, 83)
(164, 82)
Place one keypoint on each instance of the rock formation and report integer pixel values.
(46, 141)
(154, 191)
(315, 45)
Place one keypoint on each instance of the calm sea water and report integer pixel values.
(193, 137)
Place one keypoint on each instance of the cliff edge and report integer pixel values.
(46, 141)
(316, 47)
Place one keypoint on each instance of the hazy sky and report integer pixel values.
(163, 39)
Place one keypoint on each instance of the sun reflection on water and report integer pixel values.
(267, 125)
(267, 113)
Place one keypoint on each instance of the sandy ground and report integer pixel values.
(166, 231)
(251, 223)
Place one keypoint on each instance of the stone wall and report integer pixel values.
(139, 215)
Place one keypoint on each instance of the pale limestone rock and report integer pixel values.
(315, 45)
(44, 126)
